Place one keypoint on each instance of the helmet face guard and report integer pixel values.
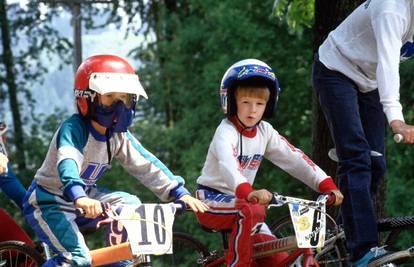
(105, 74)
(117, 116)
(252, 72)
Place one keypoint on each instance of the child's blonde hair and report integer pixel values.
(261, 92)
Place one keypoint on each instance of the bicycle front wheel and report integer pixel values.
(334, 256)
(187, 252)
(19, 254)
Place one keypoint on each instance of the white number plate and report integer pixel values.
(149, 228)
(309, 223)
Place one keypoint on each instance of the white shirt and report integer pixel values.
(366, 47)
(223, 172)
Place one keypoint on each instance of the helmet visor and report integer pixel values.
(104, 83)
(110, 99)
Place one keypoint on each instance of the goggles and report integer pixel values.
(111, 100)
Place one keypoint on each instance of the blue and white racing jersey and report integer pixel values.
(78, 157)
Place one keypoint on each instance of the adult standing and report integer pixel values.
(356, 79)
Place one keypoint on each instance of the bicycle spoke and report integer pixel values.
(18, 254)
(187, 252)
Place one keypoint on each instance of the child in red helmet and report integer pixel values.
(249, 91)
(82, 149)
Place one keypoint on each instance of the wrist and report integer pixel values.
(396, 124)
(243, 190)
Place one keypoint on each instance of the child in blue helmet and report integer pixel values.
(82, 149)
(249, 91)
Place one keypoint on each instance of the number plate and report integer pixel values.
(309, 223)
(149, 228)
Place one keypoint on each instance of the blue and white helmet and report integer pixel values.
(244, 71)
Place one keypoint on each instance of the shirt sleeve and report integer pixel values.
(292, 160)
(71, 139)
(149, 170)
(389, 29)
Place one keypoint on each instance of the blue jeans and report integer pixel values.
(357, 125)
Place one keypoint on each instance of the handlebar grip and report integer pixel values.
(398, 138)
(180, 206)
(80, 212)
(254, 200)
(331, 199)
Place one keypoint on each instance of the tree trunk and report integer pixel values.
(77, 35)
(328, 15)
(11, 84)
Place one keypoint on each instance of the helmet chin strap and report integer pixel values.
(241, 137)
(244, 128)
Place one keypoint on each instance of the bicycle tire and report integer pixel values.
(19, 254)
(337, 256)
(187, 251)
(395, 258)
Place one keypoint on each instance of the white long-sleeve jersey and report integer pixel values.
(223, 171)
(368, 45)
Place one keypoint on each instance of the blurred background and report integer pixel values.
(180, 49)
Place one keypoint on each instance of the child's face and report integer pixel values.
(111, 98)
(250, 109)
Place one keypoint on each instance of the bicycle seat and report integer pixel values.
(389, 224)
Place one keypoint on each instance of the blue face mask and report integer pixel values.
(117, 116)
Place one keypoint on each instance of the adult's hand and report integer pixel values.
(406, 130)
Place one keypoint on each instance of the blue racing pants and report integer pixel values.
(53, 219)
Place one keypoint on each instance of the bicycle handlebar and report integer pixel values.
(280, 200)
(398, 138)
(179, 206)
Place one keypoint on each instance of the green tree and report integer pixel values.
(30, 28)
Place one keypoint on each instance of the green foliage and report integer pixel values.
(298, 14)
(400, 184)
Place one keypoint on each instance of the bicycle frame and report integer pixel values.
(289, 243)
(112, 254)
(279, 245)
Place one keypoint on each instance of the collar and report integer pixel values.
(245, 131)
(98, 136)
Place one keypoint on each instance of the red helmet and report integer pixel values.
(104, 74)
